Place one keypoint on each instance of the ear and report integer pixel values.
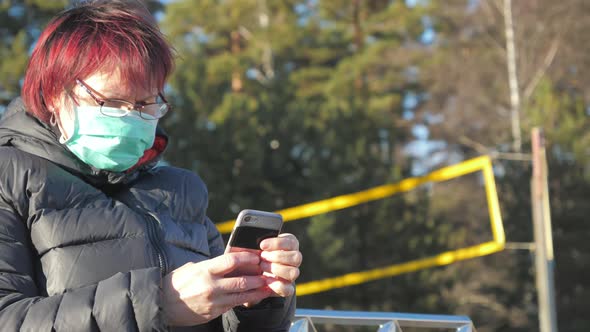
(54, 105)
(63, 105)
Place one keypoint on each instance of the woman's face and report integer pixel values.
(103, 86)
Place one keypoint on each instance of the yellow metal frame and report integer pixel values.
(482, 163)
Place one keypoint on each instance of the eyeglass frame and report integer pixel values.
(137, 106)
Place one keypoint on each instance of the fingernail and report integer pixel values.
(270, 278)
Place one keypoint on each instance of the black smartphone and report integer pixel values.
(253, 226)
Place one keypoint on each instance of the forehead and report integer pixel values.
(111, 85)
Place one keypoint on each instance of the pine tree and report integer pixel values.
(20, 24)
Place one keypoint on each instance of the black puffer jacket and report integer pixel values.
(85, 250)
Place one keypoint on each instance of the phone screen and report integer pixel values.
(250, 237)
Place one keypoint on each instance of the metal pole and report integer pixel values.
(544, 261)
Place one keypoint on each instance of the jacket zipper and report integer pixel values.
(155, 238)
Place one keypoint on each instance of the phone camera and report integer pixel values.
(247, 218)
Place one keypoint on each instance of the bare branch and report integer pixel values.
(493, 153)
(475, 145)
(512, 76)
(542, 70)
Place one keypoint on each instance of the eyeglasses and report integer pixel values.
(120, 108)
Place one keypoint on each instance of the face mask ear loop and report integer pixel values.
(74, 110)
(53, 123)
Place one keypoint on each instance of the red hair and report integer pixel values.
(96, 36)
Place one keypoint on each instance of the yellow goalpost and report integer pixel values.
(483, 164)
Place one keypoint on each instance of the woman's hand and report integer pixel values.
(196, 293)
(280, 261)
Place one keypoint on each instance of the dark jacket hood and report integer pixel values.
(20, 129)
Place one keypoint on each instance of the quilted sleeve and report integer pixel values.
(124, 302)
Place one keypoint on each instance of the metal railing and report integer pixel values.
(385, 321)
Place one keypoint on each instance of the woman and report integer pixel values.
(94, 236)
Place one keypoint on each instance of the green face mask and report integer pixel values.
(110, 143)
